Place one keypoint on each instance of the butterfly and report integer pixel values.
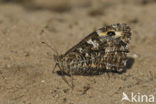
(102, 50)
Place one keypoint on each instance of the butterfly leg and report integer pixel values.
(64, 79)
(54, 68)
(72, 83)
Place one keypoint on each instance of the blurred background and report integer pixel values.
(26, 65)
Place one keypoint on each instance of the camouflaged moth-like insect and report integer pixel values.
(103, 50)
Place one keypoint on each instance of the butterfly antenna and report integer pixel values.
(53, 49)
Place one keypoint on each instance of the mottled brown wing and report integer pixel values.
(105, 49)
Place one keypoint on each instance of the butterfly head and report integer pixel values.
(57, 58)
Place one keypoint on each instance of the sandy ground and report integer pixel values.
(26, 65)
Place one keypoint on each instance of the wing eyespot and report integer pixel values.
(111, 33)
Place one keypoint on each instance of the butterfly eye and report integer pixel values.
(111, 33)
